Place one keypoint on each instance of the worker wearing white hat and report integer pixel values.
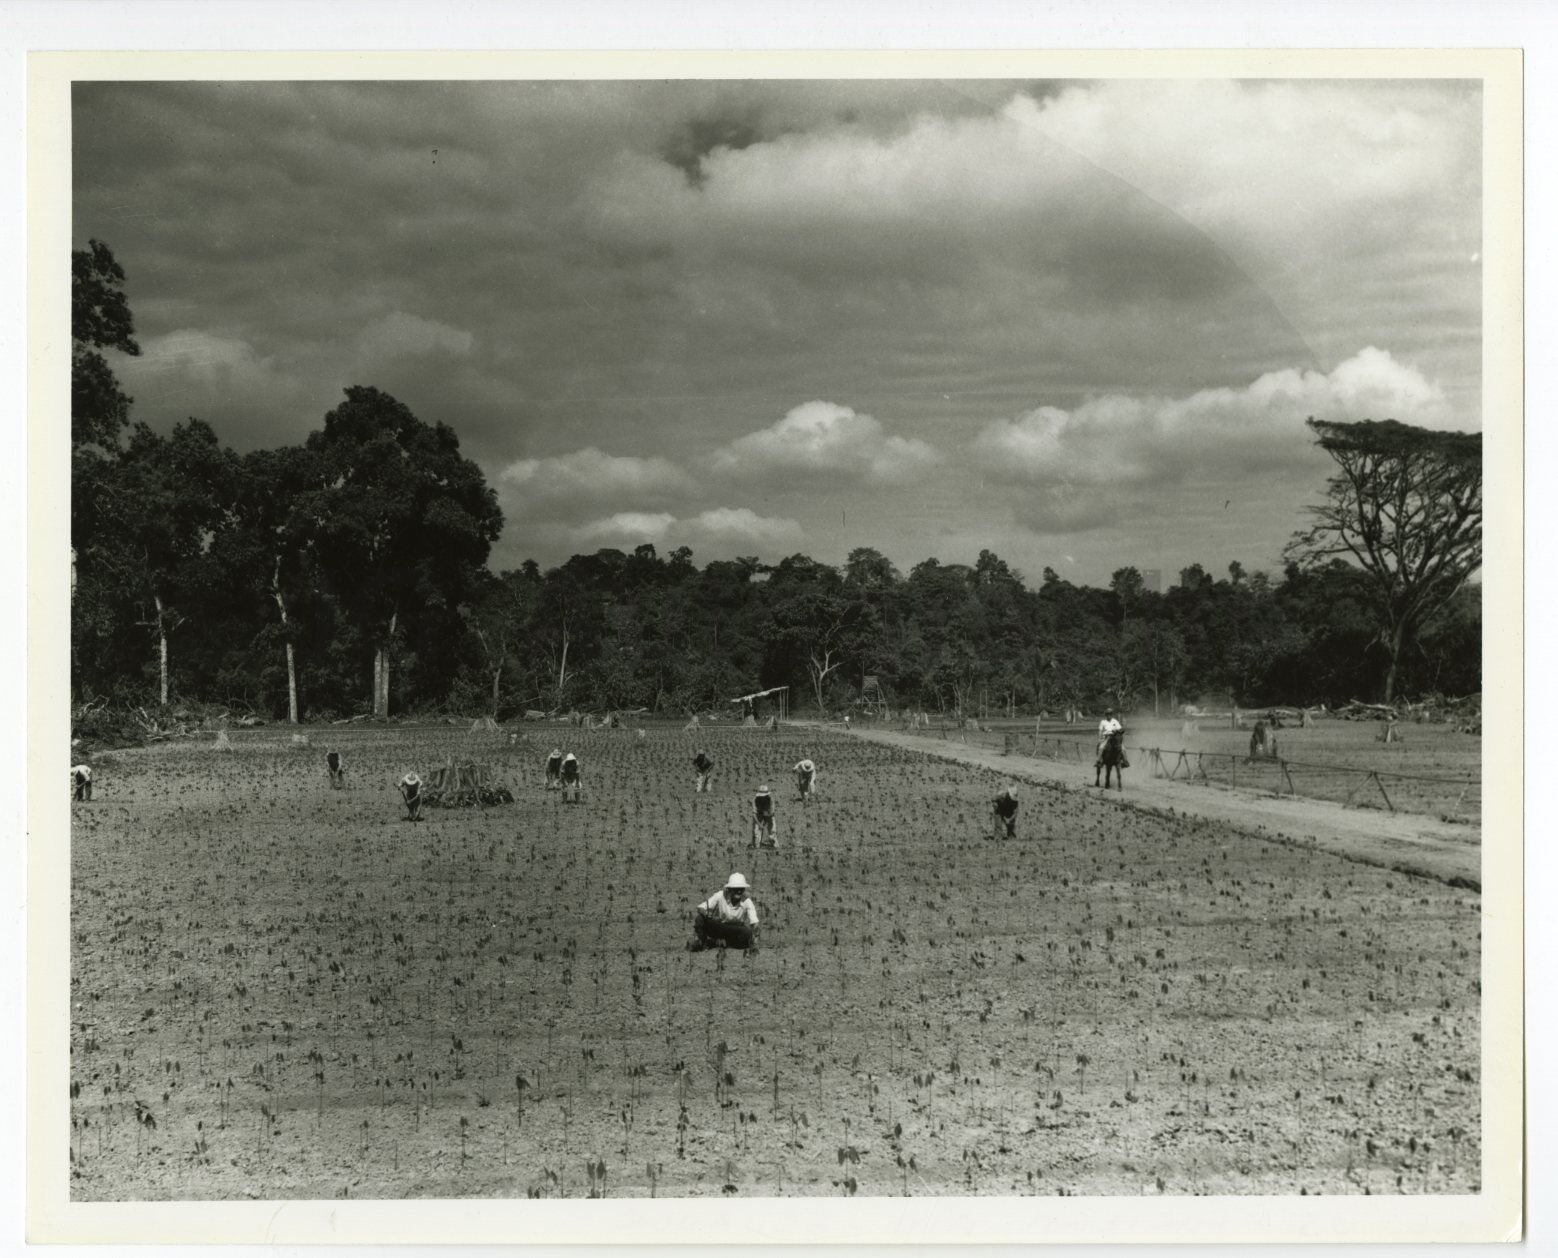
(81, 781)
(1003, 814)
(554, 769)
(411, 792)
(763, 818)
(727, 919)
(805, 778)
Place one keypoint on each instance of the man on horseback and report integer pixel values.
(1111, 763)
(1109, 725)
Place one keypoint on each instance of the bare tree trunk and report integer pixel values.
(1393, 644)
(162, 648)
(562, 666)
(292, 671)
(381, 671)
(496, 674)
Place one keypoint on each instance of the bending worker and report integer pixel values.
(411, 792)
(805, 778)
(1003, 812)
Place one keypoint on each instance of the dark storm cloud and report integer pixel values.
(668, 270)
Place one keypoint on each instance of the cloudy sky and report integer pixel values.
(1079, 323)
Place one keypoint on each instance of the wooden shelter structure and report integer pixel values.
(748, 703)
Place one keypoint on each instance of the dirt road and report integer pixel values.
(1410, 843)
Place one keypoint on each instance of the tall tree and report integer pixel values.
(99, 319)
(1406, 507)
(273, 525)
(162, 500)
(404, 523)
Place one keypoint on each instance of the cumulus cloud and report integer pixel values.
(201, 357)
(722, 530)
(399, 334)
(1080, 459)
(825, 439)
(638, 526)
(579, 484)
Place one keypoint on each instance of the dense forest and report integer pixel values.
(349, 575)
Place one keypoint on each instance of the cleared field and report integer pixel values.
(1432, 769)
(280, 990)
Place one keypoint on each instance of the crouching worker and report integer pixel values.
(727, 919)
(554, 769)
(1003, 814)
(81, 781)
(337, 769)
(703, 769)
(411, 792)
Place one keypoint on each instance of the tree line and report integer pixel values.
(349, 574)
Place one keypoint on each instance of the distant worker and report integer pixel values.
(572, 779)
(703, 768)
(1258, 740)
(1003, 814)
(1109, 725)
(763, 818)
(805, 778)
(336, 767)
(81, 781)
(554, 769)
(727, 919)
(411, 792)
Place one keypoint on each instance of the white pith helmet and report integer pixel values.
(736, 881)
(411, 779)
(762, 790)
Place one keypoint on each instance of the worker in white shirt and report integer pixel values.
(335, 765)
(1109, 725)
(81, 781)
(554, 769)
(703, 769)
(727, 919)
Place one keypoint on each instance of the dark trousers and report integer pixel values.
(711, 933)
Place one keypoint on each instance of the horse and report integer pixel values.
(1111, 764)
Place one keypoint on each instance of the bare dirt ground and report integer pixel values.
(281, 990)
(1403, 841)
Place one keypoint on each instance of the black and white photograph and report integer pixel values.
(708, 634)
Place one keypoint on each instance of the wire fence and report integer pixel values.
(1449, 798)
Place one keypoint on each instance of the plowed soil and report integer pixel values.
(281, 990)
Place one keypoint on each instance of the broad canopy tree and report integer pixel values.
(1405, 506)
(403, 522)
